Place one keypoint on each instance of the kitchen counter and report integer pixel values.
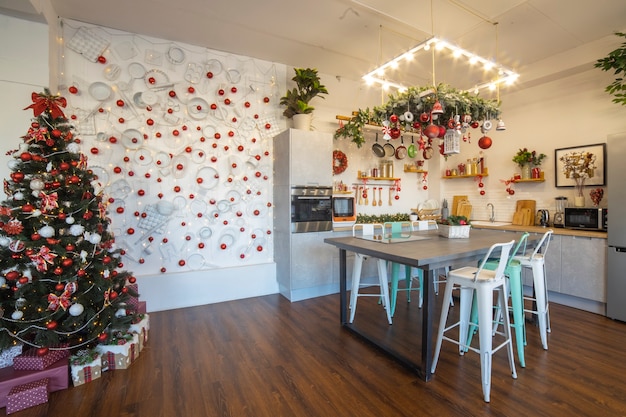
(539, 229)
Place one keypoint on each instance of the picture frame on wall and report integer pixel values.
(599, 177)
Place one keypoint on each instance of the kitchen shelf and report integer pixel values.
(342, 192)
(529, 180)
(379, 178)
(416, 171)
(454, 177)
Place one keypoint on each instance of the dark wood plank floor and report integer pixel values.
(267, 357)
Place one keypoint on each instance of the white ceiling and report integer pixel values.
(348, 38)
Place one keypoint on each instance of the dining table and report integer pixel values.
(426, 250)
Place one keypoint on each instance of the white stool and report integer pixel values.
(383, 282)
(483, 282)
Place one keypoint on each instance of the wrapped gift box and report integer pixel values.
(141, 328)
(120, 355)
(8, 354)
(142, 309)
(132, 303)
(27, 395)
(57, 374)
(85, 366)
(31, 361)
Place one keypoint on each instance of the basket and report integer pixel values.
(454, 232)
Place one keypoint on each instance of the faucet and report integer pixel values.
(492, 218)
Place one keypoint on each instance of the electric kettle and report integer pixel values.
(543, 218)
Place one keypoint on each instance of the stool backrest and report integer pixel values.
(367, 229)
(521, 244)
(425, 225)
(397, 227)
(542, 246)
(505, 249)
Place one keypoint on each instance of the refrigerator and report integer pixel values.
(616, 271)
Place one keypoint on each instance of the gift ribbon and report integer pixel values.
(43, 258)
(63, 300)
(43, 102)
(49, 201)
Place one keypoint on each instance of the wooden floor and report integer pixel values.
(267, 357)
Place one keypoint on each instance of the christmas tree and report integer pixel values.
(59, 269)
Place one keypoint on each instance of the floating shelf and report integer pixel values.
(342, 192)
(454, 177)
(417, 171)
(530, 180)
(378, 178)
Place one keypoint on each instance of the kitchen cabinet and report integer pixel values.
(583, 267)
(303, 157)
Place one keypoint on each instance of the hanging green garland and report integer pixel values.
(408, 106)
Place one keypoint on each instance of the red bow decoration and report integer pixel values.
(43, 258)
(82, 162)
(49, 201)
(43, 102)
(63, 300)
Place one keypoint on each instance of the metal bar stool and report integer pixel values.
(483, 283)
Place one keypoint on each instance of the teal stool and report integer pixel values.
(400, 229)
(513, 272)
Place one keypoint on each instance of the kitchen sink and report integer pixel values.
(488, 223)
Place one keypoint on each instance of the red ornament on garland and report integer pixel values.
(485, 142)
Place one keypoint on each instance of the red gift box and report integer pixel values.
(142, 309)
(27, 395)
(57, 374)
(31, 361)
(132, 303)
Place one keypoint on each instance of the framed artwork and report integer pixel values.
(563, 164)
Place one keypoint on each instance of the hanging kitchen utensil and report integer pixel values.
(390, 150)
(412, 151)
(428, 150)
(390, 192)
(374, 202)
(377, 149)
(380, 196)
(401, 150)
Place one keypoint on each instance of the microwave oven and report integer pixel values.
(344, 209)
(587, 218)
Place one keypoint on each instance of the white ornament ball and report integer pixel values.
(4, 241)
(73, 147)
(76, 230)
(35, 213)
(70, 220)
(47, 231)
(20, 302)
(19, 196)
(95, 238)
(12, 164)
(2, 281)
(76, 309)
(16, 315)
(37, 184)
(120, 313)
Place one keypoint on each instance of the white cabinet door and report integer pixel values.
(583, 267)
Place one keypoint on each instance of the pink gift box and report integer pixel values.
(58, 375)
(142, 309)
(31, 361)
(27, 395)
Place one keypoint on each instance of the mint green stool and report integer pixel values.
(513, 272)
(400, 229)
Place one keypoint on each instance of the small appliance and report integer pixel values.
(344, 210)
(561, 203)
(587, 218)
(543, 218)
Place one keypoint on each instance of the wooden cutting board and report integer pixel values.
(528, 215)
(465, 209)
(523, 217)
(456, 200)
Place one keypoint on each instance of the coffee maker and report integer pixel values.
(559, 214)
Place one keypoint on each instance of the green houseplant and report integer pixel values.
(308, 86)
(616, 62)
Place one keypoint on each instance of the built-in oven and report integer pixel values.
(311, 209)
(344, 210)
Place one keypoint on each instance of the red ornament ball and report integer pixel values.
(485, 142)
(102, 59)
(42, 351)
(73, 90)
(482, 192)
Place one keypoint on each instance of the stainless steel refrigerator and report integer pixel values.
(616, 279)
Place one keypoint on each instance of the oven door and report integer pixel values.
(311, 211)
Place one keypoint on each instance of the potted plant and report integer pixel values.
(525, 159)
(296, 100)
(454, 227)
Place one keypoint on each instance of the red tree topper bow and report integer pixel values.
(43, 102)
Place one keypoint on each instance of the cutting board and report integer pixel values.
(527, 209)
(523, 217)
(456, 200)
(464, 209)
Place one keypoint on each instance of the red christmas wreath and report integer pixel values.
(340, 162)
